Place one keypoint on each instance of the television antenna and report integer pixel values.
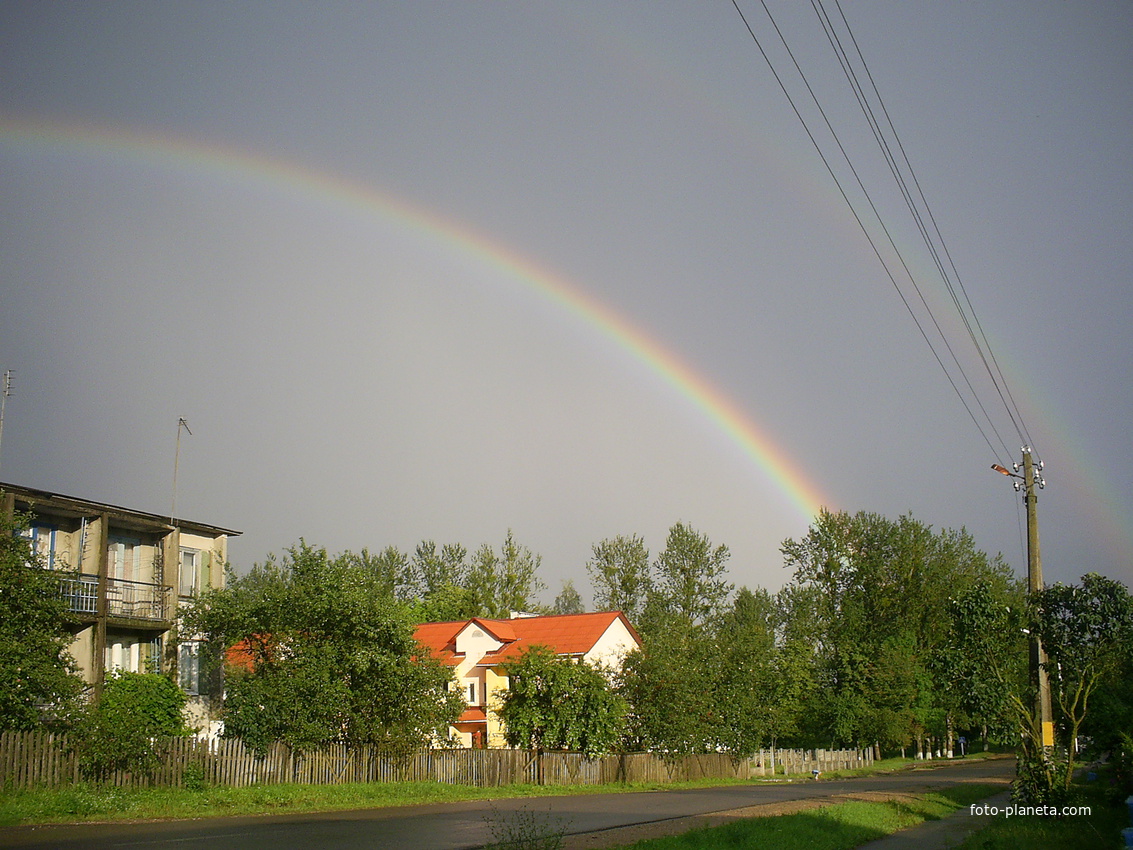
(182, 422)
(4, 397)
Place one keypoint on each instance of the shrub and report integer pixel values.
(122, 731)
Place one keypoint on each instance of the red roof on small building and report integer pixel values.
(565, 634)
(473, 715)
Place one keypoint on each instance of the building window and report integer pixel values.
(153, 662)
(42, 539)
(133, 654)
(123, 555)
(189, 666)
(123, 653)
(190, 570)
(472, 693)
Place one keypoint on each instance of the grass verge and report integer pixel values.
(82, 802)
(78, 803)
(1100, 828)
(838, 827)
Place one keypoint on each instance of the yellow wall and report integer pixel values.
(82, 650)
(495, 684)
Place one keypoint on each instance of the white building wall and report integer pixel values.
(612, 647)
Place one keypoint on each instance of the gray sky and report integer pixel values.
(429, 270)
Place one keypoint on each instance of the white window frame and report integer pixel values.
(189, 667)
(194, 572)
(123, 552)
(123, 653)
(42, 540)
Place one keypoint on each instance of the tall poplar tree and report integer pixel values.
(690, 576)
(620, 575)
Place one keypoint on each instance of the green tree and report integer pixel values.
(794, 681)
(701, 681)
(1087, 632)
(483, 584)
(568, 601)
(982, 662)
(39, 684)
(433, 570)
(620, 575)
(519, 576)
(499, 584)
(440, 583)
(326, 659)
(669, 685)
(883, 588)
(450, 602)
(1109, 725)
(744, 677)
(690, 576)
(555, 703)
(386, 574)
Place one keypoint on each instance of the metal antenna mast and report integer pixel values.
(182, 422)
(4, 398)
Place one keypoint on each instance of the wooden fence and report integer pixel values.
(37, 759)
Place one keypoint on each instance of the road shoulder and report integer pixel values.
(930, 835)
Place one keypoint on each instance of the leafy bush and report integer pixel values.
(193, 777)
(122, 730)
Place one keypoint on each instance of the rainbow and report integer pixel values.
(165, 150)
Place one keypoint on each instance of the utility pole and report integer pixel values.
(1030, 481)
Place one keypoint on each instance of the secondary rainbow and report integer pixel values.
(165, 151)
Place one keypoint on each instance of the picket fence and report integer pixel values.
(38, 759)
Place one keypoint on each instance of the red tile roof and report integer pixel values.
(473, 715)
(566, 634)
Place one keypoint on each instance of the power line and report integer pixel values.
(976, 333)
(861, 224)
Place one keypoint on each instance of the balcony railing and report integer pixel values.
(137, 600)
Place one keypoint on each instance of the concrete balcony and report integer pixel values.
(125, 600)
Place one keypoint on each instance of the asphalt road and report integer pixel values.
(451, 826)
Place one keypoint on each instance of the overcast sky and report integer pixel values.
(438, 270)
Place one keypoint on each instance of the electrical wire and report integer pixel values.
(861, 224)
(976, 333)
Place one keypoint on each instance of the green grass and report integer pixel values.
(888, 765)
(838, 827)
(77, 803)
(1101, 828)
(91, 803)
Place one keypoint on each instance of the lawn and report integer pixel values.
(83, 802)
(841, 826)
(1101, 828)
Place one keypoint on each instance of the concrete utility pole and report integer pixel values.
(1031, 480)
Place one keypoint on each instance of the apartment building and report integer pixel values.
(128, 574)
